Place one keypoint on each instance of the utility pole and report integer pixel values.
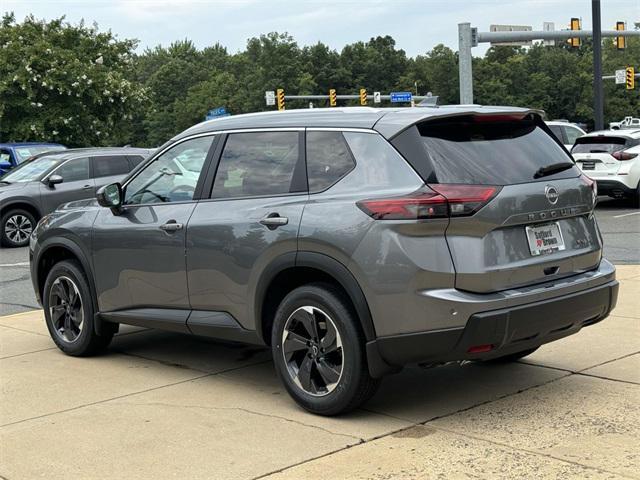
(598, 93)
(465, 63)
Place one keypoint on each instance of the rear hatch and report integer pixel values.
(536, 223)
(596, 155)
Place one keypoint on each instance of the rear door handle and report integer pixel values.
(171, 226)
(87, 187)
(274, 220)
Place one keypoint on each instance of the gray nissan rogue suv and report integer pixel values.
(351, 241)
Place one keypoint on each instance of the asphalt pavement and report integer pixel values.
(618, 221)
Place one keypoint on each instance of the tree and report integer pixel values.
(65, 83)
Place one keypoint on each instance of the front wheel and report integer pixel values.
(318, 351)
(17, 226)
(69, 311)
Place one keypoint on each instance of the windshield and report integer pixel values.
(491, 150)
(25, 152)
(31, 171)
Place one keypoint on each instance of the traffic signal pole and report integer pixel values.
(598, 93)
(469, 36)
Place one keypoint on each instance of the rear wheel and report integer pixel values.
(318, 351)
(635, 199)
(17, 226)
(513, 356)
(69, 312)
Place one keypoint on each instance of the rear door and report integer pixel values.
(539, 223)
(108, 169)
(252, 217)
(595, 154)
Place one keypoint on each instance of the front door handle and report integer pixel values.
(171, 226)
(274, 220)
(87, 187)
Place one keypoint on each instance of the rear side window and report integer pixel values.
(74, 170)
(328, 159)
(557, 132)
(110, 165)
(257, 163)
(602, 144)
(490, 150)
(134, 161)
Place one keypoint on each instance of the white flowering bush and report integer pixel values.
(65, 83)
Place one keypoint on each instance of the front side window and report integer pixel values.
(328, 159)
(171, 177)
(74, 170)
(257, 163)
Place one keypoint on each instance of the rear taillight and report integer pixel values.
(436, 201)
(622, 155)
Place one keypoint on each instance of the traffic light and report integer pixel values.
(575, 25)
(620, 41)
(363, 96)
(630, 78)
(280, 98)
(333, 98)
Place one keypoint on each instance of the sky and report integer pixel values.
(416, 25)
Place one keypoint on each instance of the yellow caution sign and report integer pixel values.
(630, 78)
(280, 98)
(333, 98)
(363, 96)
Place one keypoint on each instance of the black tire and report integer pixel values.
(62, 276)
(354, 385)
(635, 199)
(16, 227)
(513, 357)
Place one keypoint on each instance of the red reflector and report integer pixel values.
(480, 349)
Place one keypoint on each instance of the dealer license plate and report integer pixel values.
(545, 239)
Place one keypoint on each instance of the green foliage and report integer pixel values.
(65, 83)
(54, 89)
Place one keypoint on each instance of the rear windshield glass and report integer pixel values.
(491, 151)
(600, 144)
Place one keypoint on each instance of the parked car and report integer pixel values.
(566, 132)
(36, 187)
(351, 241)
(13, 154)
(628, 122)
(612, 159)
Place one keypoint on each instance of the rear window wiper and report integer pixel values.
(553, 168)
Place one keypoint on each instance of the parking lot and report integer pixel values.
(194, 408)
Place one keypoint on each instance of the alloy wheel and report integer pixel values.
(18, 228)
(65, 309)
(312, 350)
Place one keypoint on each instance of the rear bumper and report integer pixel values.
(507, 330)
(614, 188)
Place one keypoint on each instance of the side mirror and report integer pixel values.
(5, 165)
(54, 180)
(110, 196)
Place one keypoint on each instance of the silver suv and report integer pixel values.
(351, 241)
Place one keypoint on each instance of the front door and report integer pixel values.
(252, 217)
(139, 253)
(76, 185)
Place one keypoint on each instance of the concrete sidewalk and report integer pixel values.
(161, 405)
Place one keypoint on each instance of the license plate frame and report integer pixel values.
(544, 238)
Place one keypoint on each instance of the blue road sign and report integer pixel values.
(401, 97)
(216, 112)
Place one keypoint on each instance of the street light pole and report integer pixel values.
(598, 93)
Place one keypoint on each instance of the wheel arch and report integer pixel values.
(292, 270)
(23, 205)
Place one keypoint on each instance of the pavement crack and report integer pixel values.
(26, 353)
(23, 330)
(246, 410)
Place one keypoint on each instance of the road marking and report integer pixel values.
(19, 264)
(626, 214)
